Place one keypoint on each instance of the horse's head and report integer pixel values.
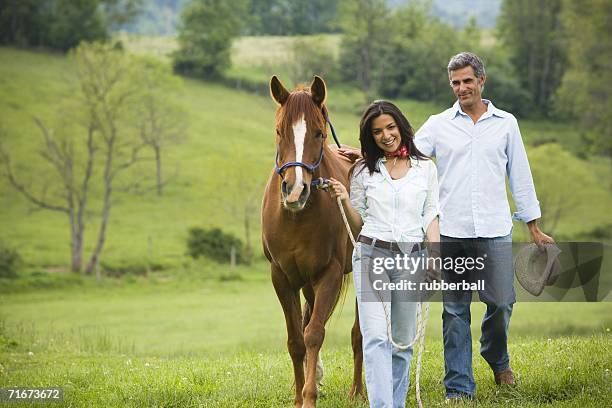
(300, 138)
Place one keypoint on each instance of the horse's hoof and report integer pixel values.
(356, 393)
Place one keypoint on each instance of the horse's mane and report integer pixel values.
(299, 102)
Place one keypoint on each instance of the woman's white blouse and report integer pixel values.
(396, 210)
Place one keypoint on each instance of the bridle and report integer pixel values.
(310, 167)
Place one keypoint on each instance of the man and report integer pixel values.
(476, 145)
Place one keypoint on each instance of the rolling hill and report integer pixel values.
(229, 145)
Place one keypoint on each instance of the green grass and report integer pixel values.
(550, 373)
(164, 341)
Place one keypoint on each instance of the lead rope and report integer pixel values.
(421, 319)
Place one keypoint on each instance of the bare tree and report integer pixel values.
(73, 185)
(242, 199)
(162, 122)
(107, 89)
(108, 86)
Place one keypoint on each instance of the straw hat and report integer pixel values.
(535, 268)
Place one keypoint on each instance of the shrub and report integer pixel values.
(214, 244)
(10, 261)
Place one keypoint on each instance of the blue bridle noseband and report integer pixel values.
(310, 167)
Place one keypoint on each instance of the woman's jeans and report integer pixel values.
(499, 297)
(386, 368)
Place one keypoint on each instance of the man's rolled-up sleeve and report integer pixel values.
(520, 179)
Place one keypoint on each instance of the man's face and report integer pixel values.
(466, 86)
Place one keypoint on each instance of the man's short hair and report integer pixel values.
(465, 59)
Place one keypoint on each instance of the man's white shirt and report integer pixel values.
(473, 160)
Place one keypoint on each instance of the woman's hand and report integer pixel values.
(433, 273)
(337, 189)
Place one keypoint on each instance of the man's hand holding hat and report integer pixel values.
(538, 237)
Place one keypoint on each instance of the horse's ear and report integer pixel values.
(278, 91)
(318, 90)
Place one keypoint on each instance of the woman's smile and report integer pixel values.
(386, 133)
(389, 142)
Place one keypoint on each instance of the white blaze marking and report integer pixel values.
(299, 134)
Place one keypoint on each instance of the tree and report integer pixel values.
(268, 17)
(92, 154)
(161, 121)
(291, 17)
(205, 37)
(107, 81)
(585, 93)
(62, 24)
(70, 189)
(534, 36)
(364, 24)
(21, 22)
(312, 17)
(417, 56)
(503, 86)
(242, 200)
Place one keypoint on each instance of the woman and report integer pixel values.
(393, 202)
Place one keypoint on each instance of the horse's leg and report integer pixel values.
(356, 343)
(290, 301)
(307, 312)
(326, 290)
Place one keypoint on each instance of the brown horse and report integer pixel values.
(303, 233)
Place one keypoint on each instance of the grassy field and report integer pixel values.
(201, 341)
(193, 333)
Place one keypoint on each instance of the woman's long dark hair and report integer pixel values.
(369, 150)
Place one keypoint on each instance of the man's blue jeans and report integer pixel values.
(499, 297)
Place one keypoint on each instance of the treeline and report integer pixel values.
(299, 17)
(258, 17)
(403, 53)
(549, 58)
(62, 24)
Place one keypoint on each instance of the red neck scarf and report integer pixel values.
(402, 152)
